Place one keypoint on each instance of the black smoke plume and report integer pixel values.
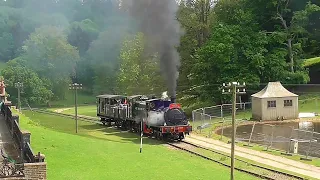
(157, 20)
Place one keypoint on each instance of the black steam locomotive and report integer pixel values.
(163, 119)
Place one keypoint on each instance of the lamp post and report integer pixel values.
(19, 86)
(75, 87)
(233, 88)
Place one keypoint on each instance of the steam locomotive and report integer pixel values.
(159, 118)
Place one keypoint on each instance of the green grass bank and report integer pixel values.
(98, 152)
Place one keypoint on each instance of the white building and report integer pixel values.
(274, 102)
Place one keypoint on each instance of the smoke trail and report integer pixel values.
(158, 22)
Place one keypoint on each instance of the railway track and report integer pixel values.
(242, 166)
(80, 118)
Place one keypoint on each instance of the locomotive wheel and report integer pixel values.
(159, 135)
(109, 123)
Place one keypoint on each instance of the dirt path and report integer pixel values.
(260, 157)
(61, 110)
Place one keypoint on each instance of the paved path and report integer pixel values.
(260, 157)
(6, 142)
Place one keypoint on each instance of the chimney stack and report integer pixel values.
(173, 99)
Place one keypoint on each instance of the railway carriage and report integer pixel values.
(108, 108)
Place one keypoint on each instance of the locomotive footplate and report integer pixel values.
(176, 129)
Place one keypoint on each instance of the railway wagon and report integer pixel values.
(108, 108)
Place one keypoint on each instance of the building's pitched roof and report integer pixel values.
(274, 90)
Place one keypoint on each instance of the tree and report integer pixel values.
(195, 17)
(294, 27)
(35, 90)
(139, 74)
(103, 58)
(7, 46)
(81, 34)
(48, 53)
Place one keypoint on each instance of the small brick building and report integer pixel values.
(274, 102)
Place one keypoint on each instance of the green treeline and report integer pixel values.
(46, 44)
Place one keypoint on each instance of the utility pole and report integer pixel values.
(234, 87)
(75, 87)
(19, 86)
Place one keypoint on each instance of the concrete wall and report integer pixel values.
(280, 111)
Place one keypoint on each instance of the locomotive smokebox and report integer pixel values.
(173, 99)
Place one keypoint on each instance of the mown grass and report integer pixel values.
(309, 103)
(84, 110)
(82, 99)
(311, 62)
(98, 152)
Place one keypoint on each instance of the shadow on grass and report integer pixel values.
(126, 136)
(86, 129)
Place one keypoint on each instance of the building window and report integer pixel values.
(287, 103)
(272, 104)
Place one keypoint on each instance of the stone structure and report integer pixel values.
(2, 91)
(3, 95)
(31, 166)
(274, 102)
(35, 171)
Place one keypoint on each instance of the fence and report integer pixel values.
(205, 120)
(280, 137)
(287, 138)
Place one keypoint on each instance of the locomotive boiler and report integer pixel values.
(168, 114)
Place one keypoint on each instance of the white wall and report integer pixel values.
(273, 113)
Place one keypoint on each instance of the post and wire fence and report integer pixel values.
(290, 138)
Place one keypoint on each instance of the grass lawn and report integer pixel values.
(84, 110)
(98, 152)
(83, 99)
(309, 103)
(311, 62)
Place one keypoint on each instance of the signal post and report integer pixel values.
(75, 87)
(234, 89)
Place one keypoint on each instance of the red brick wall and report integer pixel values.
(33, 171)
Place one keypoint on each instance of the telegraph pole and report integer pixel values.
(75, 87)
(234, 87)
(19, 86)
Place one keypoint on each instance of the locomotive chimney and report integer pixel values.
(173, 99)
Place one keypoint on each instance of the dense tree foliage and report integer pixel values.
(255, 42)
(138, 74)
(35, 90)
(47, 44)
